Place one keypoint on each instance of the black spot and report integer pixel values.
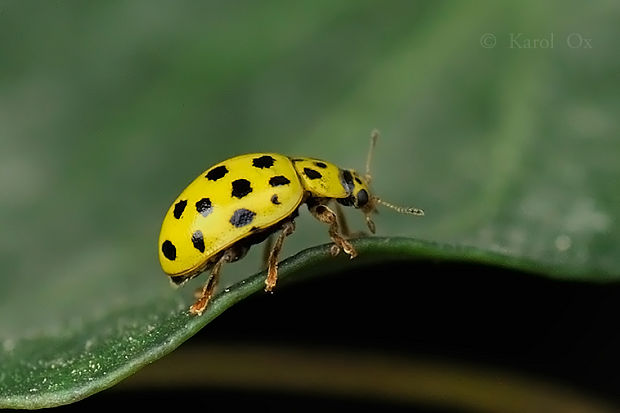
(198, 241)
(169, 250)
(362, 198)
(347, 181)
(204, 207)
(321, 165)
(279, 180)
(240, 188)
(312, 174)
(179, 208)
(216, 173)
(359, 181)
(275, 200)
(264, 161)
(242, 217)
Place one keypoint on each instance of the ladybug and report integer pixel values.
(243, 200)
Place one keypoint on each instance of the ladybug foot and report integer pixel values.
(199, 306)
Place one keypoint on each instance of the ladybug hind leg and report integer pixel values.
(267, 247)
(272, 260)
(203, 296)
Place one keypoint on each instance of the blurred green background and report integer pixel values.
(498, 118)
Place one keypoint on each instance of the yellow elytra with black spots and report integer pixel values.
(241, 201)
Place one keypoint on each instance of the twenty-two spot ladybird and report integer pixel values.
(243, 200)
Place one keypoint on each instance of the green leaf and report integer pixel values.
(109, 109)
(53, 368)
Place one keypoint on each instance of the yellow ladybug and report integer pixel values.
(243, 200)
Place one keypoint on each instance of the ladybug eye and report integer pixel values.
(362, 198)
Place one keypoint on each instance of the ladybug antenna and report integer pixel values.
(374, 135)
(400, 209)
(371, 206)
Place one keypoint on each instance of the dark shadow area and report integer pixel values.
(216, 399)
(565, 331)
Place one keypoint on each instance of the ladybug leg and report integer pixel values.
(268, 246)
(206, 293)
(272, 261)
(344, 227)
(342, 221)
(327, 216)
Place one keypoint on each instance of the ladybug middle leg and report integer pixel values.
(272, 261)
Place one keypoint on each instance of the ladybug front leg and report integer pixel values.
(327, 216)
(344, 227)
(272, 262)
(342, 221)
